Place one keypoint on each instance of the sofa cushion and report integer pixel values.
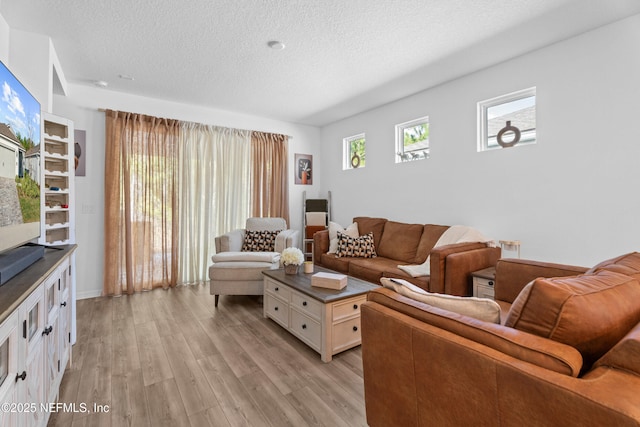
(628, 264)
(370, 269)
(483, 309)
(625, 355)
(590, 312)
(430, 235)
(332, 262)
(368, 225)
(512, 275)
(400, 241)
(361, 246)
(260, 241)
(334, 228)
(270, 257)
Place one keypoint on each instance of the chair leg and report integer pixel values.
(216, 300)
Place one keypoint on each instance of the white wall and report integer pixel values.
(4, 41)
(82, 104)
(571, 198)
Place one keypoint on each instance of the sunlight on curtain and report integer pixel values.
(214, 193)
(140, 190)
(270, 175)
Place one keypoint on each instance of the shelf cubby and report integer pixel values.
(57, 235)
(56, 217)
(59, 181)
(57, 192)
(56, 148)
(54, 129)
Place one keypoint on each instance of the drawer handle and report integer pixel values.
(304, 326)
(21, 376)
(355, 329)
(490, 282)
(355, 306)
(304, 303)
(63, 304)
(277, 289)
(47, 331)
(275, 308)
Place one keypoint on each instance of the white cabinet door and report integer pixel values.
(51, 336)
(65, 315)
(32, 312)
(9, 355)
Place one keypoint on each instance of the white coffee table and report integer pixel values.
(326, 320)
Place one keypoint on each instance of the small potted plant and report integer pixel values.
(291, 258)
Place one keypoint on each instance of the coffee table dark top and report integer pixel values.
(301, 282)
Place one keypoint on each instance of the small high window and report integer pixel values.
(353, 152)
(412, 140)
(507, 120)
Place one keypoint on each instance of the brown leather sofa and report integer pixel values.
(399, 243)
(571, 356)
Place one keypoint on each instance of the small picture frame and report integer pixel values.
(303, 169)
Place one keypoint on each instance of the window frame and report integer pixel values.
(347, 155)
(399, 145)
(483, 122)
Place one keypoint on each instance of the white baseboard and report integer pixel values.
(88, 294)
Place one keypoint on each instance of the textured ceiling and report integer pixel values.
(342, 56)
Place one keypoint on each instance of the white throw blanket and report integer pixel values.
(454, 234)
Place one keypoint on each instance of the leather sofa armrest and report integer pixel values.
(230, 242)
(460, 265)
(320, 245)
(625, 355)
(514, 274)
(287, 239)
(438, 262)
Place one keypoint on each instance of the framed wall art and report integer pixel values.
(303, 169)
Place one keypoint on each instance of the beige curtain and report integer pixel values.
(214, 193)
(270, 191)
(140, 209)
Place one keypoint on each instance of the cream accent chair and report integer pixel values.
(240, 273)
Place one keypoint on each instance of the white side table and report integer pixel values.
(483, 282)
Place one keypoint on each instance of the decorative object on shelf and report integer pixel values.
(355, 161)
(291, 258)
(508, 128)
(303, 169)
(510, 245)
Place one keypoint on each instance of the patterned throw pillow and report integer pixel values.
(356, 246)
(259, 241)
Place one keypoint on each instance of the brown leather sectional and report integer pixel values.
(399, 243)
(567, 352)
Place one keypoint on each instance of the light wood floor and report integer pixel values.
(169, 358)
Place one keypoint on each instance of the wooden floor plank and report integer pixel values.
(153, 360)
(234, 400)
(169, 357)
(195, 391)
(129, 406)
(268, 398)
(165, 406)
(314, 410)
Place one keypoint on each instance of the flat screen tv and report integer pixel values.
(20, 176)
